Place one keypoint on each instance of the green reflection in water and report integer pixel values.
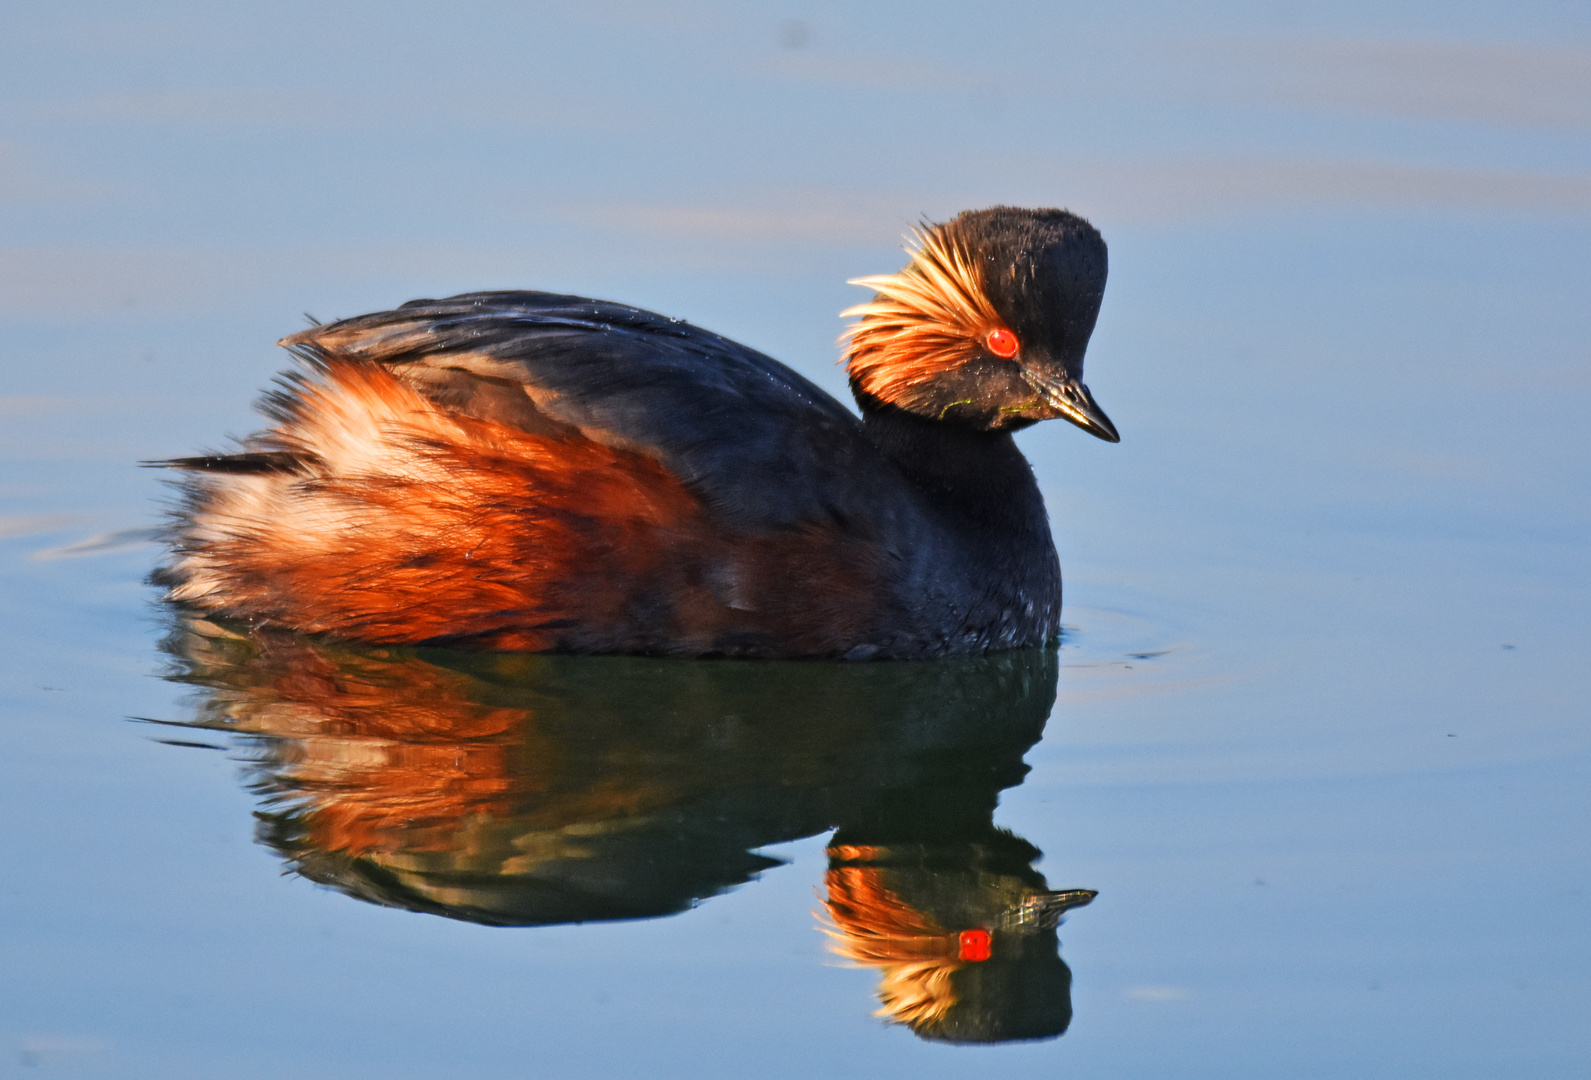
(519, 790)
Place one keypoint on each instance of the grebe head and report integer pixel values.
(987, 325)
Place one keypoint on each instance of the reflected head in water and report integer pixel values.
(963, 935)
(532, 789)
(948, 908)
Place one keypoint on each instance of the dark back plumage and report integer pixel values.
(764, 446)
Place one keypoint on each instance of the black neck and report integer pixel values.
(980, 474)
(986, 576)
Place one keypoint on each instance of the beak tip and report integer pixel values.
(1097, 424)
(1073, 401)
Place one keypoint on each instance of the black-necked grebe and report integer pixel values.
(529, 471)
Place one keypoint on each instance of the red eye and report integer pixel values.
(973, 945)
(1001, 342)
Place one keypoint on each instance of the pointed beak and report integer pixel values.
(1061, 901)
(1044, 910)
(1072, 400)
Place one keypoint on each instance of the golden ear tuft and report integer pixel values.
(875, 928)
(927, 319)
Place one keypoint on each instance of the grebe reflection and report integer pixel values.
(532, 789)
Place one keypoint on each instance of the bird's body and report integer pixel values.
(530, 471)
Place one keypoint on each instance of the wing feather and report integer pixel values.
(764, 447)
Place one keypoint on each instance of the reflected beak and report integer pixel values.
(1044, 910)
(1057, 902)
(1072, 400)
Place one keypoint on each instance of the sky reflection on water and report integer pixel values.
(1320, 738)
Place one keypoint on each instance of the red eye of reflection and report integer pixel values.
(973, 944)
(1001, 342)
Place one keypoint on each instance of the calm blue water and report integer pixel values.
(1320, 734)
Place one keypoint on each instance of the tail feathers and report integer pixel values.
(255, 463)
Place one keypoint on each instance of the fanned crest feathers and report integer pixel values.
(925, 320)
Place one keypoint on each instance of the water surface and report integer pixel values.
(1317, 730)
